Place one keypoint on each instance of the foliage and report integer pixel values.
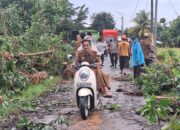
(161, 76)
(154, 110)
(81, 16)
(29, 26)
(163, 20)
(27, 124)
(151, 82)
(23, 100)
(112, 106)
(102, 21)
(163, 54)
(170, 35)
(14, 26)
(142, 22)
(174, 124)
(10, 78)
(57, 15)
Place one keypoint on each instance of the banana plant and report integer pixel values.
(154, 110)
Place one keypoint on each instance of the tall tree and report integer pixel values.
(102, 21)
(163, 21)
(81, 13)
(170, 35)
(142, 21)
(48, 16)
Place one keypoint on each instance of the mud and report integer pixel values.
(60, 102)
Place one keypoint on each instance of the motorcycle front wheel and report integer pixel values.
(84, 107)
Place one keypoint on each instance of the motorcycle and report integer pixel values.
(86, 94)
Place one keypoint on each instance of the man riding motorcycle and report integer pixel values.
(87, 54)
(90, 56)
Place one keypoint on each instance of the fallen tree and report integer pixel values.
(35, 54)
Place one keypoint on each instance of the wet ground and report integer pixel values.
(59, 104)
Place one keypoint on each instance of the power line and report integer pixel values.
(173, 8)
(135, 9)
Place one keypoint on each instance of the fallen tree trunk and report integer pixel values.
(130, 90)
(35, 54)
(173, 99)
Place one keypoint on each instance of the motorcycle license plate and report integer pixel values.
(79, 84)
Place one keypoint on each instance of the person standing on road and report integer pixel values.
(78, 41)
(114, 52)
(148, 48)
(124, 53)
(101, 46)
(137, 58)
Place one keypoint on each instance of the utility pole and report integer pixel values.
(152, 11)
(122, 21)
(155, 26)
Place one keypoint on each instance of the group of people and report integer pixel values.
(138, 50)
(116, 51)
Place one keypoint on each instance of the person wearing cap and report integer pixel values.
(124, 53)
(148, 48)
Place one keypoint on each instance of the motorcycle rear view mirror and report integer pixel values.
(69, 56)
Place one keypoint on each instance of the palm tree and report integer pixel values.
(142, 23)
(163, 21)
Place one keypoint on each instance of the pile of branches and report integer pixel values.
(17, 71)
(37, 77)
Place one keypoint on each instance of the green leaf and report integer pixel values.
(164, 102)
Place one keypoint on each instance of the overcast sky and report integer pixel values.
(168, 9)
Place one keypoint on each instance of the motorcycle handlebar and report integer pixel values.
(90, 66)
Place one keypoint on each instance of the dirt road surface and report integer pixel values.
(60, 103)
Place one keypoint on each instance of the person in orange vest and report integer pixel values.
(124, 53)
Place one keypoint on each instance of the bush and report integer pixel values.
(157, 79)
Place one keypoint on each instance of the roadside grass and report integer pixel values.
(167, 55)
(165, 50)
(23, 101)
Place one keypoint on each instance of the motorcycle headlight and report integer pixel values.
(84, 75)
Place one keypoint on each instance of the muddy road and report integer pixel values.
(59, 104)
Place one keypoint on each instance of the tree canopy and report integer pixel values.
(17, 16)
(102, 21)
(170, 36)
(142, 24)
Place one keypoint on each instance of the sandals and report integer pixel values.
(107, 96)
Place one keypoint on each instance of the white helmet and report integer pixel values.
(88, 38)
(146, 34)
(99, 53)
